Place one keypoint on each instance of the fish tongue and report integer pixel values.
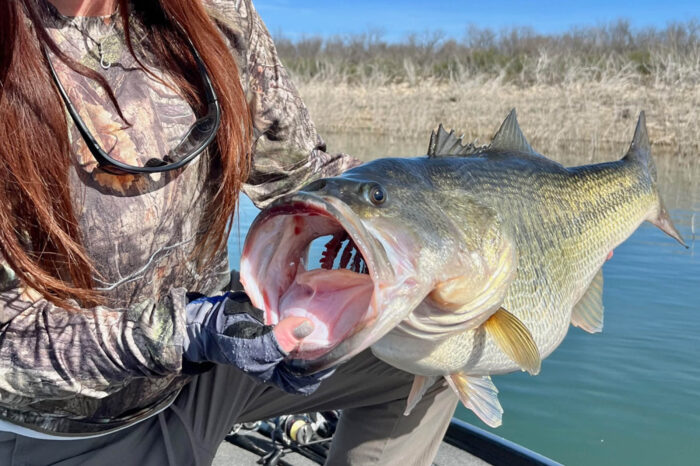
(334, 300)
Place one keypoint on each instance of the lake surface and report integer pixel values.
(630, 395)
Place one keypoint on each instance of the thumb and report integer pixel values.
(290, 331)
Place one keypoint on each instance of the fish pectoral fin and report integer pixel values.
(421, 384)
(588, 311)
(478, 394)
(514, 339)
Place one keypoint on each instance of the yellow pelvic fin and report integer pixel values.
(478, 394)
(515, 340)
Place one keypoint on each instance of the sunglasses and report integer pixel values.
(198, 137)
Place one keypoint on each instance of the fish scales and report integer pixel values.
(598, 206)
(477, 259)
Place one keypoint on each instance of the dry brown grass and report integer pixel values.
(582, 85)
(596, 112)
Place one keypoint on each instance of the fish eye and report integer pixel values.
(376, 194)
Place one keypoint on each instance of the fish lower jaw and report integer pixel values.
(338, 302)
(280, 278)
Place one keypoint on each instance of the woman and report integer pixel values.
(119, 341)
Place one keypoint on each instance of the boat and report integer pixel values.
(304, 440)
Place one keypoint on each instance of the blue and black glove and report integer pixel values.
(228, 329)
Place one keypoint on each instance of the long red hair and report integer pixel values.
(39, 235)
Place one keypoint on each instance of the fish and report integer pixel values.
(468, 262)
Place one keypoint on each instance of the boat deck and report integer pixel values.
(232, 455)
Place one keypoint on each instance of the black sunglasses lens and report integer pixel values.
(153, 162)
(206, 124)
(112, 170)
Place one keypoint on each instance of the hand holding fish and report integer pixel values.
(227, 329)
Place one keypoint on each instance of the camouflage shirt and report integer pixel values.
(93, 370)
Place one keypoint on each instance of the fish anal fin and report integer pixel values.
(588, 311)
(478, 394)
(510, 137)
(444, 144)
(514, 339)
(421, 384)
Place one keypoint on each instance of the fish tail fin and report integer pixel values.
(640, 152)
(665, 224)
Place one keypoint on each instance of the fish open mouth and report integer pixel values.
(338, 296)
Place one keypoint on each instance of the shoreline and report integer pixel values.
(594, 114)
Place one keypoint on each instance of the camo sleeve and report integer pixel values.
(49, 353)
(288, 152)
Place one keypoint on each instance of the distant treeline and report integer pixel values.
(668, 56)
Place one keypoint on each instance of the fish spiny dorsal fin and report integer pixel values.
(640, 148)
(509, 137)
(515, 340)
(478, 394)
(588, 311)
(444, 144)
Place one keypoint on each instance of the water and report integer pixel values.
(630, 395)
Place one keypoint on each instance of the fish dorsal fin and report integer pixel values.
(421, 384)
(444, 144)
(640, 141)
(514, 339)
(478, 394)
(640, 147)
(588, 311)
(509, 137)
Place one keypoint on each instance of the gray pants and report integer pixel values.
(372, 429)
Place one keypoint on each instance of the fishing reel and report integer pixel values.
(307, 434)
(297, 428)
(251, 426)
(303, 429)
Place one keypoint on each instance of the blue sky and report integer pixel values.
(298, 18)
